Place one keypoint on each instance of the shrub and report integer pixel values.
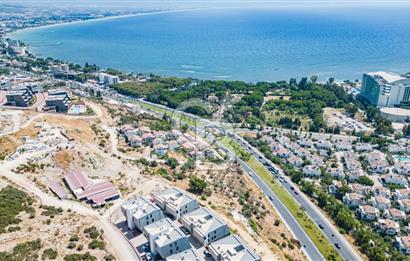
(49, 253)
(80, 257)
(94, 244)
(92, 232)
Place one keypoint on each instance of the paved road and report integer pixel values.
(328, 229)
(114, 237)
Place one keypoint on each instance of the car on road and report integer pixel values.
(296, 193)
(292, 188)
(270, 197)
(321, 226)
(250, 174)
(337, 245)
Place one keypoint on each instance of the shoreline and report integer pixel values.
(113, 17)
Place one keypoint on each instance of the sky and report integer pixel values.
(171, 4)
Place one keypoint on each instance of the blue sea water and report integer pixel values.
(237, 44)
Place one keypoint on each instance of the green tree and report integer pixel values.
(197, 185)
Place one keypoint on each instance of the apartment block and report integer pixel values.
(165, 238)
(204, 226)
(141, 212)
(175, 202)
(232, 248)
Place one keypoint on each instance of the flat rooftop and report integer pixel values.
(387, 76)
(233, 248)
(203, 220)
(188, 255)
(167, 230)
(175, 197)
(395, 111)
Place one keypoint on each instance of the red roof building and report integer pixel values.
(96, 192)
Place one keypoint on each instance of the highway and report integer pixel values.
(297, 231)
(329, 230)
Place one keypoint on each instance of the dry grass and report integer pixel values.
(63, 159)
(9, 143)
(79, 130)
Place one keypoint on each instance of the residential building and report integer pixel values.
(165, 238)
(381, 191)
(403, 193)
(232, 248)
(175, 202)
(353, 200)
(403, 244)
(377, 162)
(204, 226)
(58, 100)
(388, 227)
(141, 212)
(343, 146)
(394, 214)
(402, 168)
(385, 89)
(334, 187)
(368, 212)
(404, 204)
(160, 149)
(336, 173)
(135, 141)
(359, 188)
(21, 97)
(108, 78)
(187, 255)
(380, 202)
(363, 147)
(312, 171)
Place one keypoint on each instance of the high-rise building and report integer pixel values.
(385, 89)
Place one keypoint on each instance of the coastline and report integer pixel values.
(113, 17)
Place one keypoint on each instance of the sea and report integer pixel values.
(249, 44)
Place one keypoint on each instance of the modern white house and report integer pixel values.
(187, 255)
(175, 202)
(141, 212)
(165, 238)
(107, 78)
(204, 226)
(395, 179)
(232, 248)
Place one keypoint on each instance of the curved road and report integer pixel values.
(112, 235)
(328, 229)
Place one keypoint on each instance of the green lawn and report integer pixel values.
(294, 208)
